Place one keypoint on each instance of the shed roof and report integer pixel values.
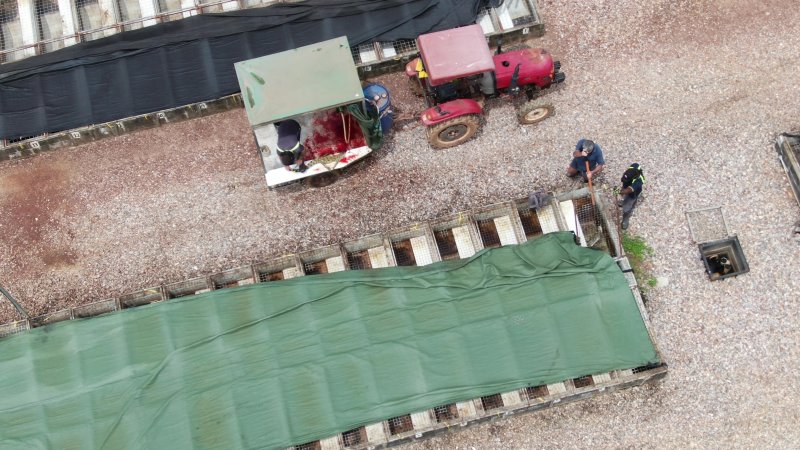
(305, 79)
(455, 53)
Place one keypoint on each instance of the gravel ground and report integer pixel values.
(696, 91)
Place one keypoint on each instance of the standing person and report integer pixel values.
(632, 184)
(586, 150)
(290, 150)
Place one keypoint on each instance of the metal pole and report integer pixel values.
(14, 302)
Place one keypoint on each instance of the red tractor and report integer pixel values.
(456, 67)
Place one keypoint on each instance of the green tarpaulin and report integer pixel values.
(281, 363)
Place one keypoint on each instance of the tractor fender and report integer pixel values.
(449, 110)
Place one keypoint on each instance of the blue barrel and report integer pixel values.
(378, 96)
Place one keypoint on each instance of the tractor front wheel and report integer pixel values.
(531, 113)
(454, 131)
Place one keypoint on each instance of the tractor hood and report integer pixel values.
(536, 67)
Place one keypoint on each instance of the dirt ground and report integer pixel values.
(696, 91)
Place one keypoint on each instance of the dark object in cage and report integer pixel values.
(354, 437)
(400, 424)
(444, 413)
(489, 235)
(446, 242)
(724, 258)
(404, 253)
(492, 402)
(530, 223)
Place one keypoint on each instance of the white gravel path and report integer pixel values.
(696, 91)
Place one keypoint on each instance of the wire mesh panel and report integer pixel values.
(323, 260)
(414, 246)
(354, 437)
(516, 13)
(487, 21)
(50, 24)
(708, 224)
(456, 237)
(584, 381)
(364, 53)
(400, 424)
(142, 297)
(397, 48)
(187, 287)
(498, 225)
(47, 319)
(93, 15)
(170, 10)
(491, 402)
(368, 252)
(235, 277)
(281, 268)
(536, 392)
(10, 30)
(15, 327)
(309, 446)
(129, 11)
(589, 223)
(443, 413)
(95, 308)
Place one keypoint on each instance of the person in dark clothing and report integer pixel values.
(586, 150)
(632, 184)
(290, 150)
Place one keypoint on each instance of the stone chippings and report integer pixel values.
(694, 91)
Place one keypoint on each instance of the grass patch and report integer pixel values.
(638, 253)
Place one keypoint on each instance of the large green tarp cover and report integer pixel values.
(281, 363)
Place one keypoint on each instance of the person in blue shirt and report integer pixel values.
(586, 150)
(632, 184)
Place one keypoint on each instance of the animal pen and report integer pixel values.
(432, 254)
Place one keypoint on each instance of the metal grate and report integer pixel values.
(315, 268)
(490, 402)
(400, 424)
(534, 392)
(270, 276)
(168, 9)
(707, 224)
(49, 23)
(364, 53)
(354, 437)
(446, 242)
(489, 235)
(583, 381)
(644, 368)
(530, 223)
(590, 221)
(444, 413)
(359, 260)
(129, 10)
(404, 253)
(309, 446)
(404, 46)
(515, 13)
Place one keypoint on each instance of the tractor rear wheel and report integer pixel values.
(531, 113)
(454, 131)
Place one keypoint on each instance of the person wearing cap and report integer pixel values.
(632, 184)
(290, 150)
(586, 150)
